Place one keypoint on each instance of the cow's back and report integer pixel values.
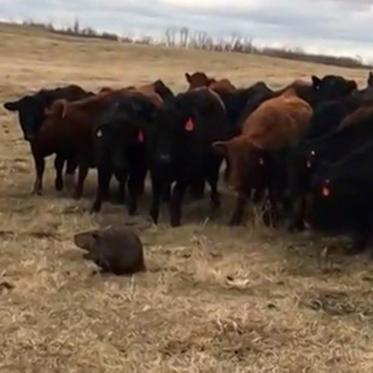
(278, 122)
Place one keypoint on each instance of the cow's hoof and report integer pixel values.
(354, 250)
(95, 209)
(118, 201)
(132, 211)
(58, 185)
(235, 222)
(37, 192)
(296, 227)
(175, 223)
(77, 195)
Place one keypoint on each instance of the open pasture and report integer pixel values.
(214, 298)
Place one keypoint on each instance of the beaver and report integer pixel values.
(114, 250)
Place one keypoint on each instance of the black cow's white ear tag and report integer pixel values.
(99, 133)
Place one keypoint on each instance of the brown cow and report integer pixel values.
(67, 130)
(275, 126)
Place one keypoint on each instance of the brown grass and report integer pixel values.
(215, 299)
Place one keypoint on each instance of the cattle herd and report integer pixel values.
(305, 149)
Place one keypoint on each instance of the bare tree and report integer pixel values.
(184, 37)
(76, 27)
(171, 37)
(200, 39)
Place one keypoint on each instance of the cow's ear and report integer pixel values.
(58, 108)
(316, 81)
(370, 79)
(220, 147)
(211, 81)
(352, 85)
(188, 77)
(12, 106)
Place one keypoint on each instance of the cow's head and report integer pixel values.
(30, 113)
(332, 87)
(248, 165)
(125, 125)
(167, 132)
(198, 79)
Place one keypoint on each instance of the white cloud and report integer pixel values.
(335, 26)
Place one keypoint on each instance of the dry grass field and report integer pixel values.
(214, 299)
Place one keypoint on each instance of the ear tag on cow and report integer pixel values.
(189, 126)
(99, 133)
(309, 164)
(261, 161)
(325, 191)
(140, 137)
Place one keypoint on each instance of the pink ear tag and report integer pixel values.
(189, 125)
(325, 191)
(140, 137)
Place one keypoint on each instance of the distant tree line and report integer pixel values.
(183, 37)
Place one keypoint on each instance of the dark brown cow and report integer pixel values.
(276, 125)
(223, 85)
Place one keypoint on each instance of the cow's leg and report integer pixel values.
(39, 167)
(197, 189)
(362, 235)
(176, 202)
(58, 165)
(71, 166)
(239, 211)
(272, 214)
(157, 194)
(297, 214)
(227, 171)
(121, 177)
(213, 178)
(83, 172)
(103, 183)
(133, 189)
(166, 193)
(136, 183)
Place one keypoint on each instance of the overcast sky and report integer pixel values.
(334, 26)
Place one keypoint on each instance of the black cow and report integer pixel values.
(31, 108)
(342, 196)
(182, 150)
(120, 141)
(242, 102)
(352, 133)
(332, 87)
(31, 113)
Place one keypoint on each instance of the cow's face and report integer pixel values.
(168, 131)
(247, 165)
(332, 87)
(123, 126)
(31, 114)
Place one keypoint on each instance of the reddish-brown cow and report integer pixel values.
(277, 124)
(67, 130)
